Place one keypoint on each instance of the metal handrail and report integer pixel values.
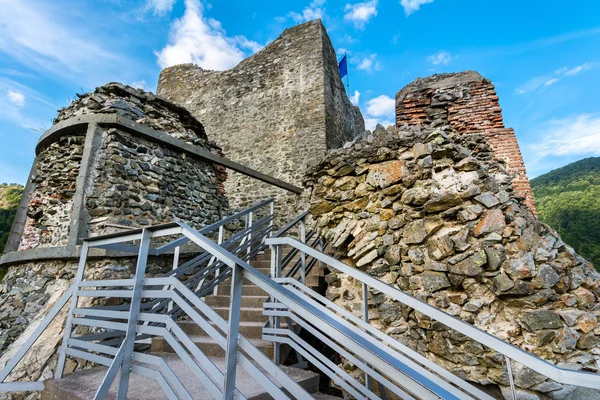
(561, 375)
(393, 344)
(365, 346)
(8, 368)
(165, 327)
(289, 226)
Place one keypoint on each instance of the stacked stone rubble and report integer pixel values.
(469, 104)
(433, 214)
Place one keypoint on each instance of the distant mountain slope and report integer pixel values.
(568, 199)
(10, 195)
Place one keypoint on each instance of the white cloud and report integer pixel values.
(160, 7)
(313, 11)
(16, 98)
(369, 64)
(371, 123)
(381, 106)
(546, 80)
(140, 85)
(360, 13)
(355, 97)
(57, 40)
(203, 41)
(577, 134)
(410, 6)
(578, 69)
(440, 58)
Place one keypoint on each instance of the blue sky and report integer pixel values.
(543, 57)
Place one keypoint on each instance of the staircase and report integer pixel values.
(252, 319)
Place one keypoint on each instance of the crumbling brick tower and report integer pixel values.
(468, 102)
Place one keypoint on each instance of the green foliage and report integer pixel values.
(10, 196)
(568, 199)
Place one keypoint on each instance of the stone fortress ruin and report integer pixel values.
(439, 206)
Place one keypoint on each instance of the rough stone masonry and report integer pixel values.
(92, 178)
(434, 214)
(277, 112)
(468, 102)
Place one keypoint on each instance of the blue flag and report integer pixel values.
(343, 67)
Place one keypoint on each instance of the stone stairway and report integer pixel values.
(252, 318)
(82, 384)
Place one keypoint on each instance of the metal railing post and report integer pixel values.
(233, 333)
(134, 311)
(510, 378)
(277, 271)
(249, 226)
(272, 223)
(303, 254)
(175, 265)
(218, 272)
(60, 365)
(365, 294)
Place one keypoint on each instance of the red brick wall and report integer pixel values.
(469, 103)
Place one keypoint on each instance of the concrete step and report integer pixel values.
(246, 313)
(208, 346)
(247, 290)
(83, 384)
(247, 301)
(250, 329)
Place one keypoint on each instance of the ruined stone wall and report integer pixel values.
(51, 204)
(434, 215)
(276, 112)
(469, 104)
(138, 184)
(128, 181)
(92, 178)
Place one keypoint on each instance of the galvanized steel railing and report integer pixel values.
(201, 275)
(510, 352)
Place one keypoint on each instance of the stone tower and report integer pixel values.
(115, 159)
(277, 111)
(468, 102)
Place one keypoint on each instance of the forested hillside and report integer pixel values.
(10, 195)
(568, 199)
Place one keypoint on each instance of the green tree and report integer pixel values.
(568, 199)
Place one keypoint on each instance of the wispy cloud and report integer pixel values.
(410, 6)
(360, 13)
(440, 58)
(574, 71)
(48, 38)
(16, 98)
(574, 135)
(355, 97)
(369, 64)
(314, 10)
(160, 7)
(538, 82)
(203, 41)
